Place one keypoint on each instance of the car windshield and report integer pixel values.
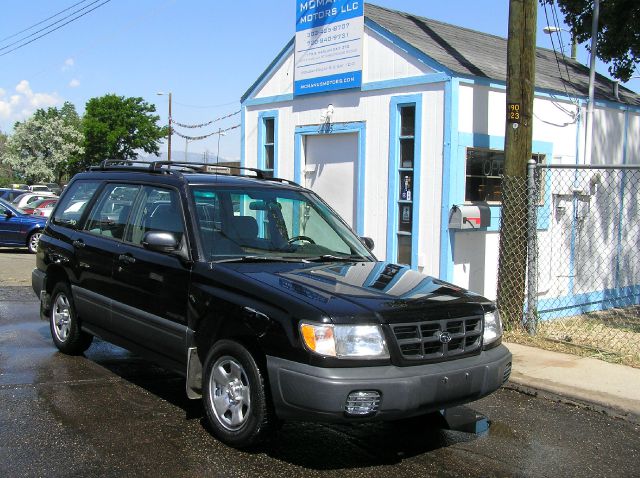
(271, 224)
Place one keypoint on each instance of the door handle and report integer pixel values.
(126, 258)
(78, 243)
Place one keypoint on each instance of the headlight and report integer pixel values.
(345, 341)
(492, 327)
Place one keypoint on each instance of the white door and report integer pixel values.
(330, 171)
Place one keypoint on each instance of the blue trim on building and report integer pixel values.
(447, 240)
(261, 138)
(406, 47)
(243, 110)
(408, 81)
(267, 100)
(394, 188)
(548, 93)
(569, 305)
(360, 128)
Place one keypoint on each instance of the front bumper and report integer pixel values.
(304, 392)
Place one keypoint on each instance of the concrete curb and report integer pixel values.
(562, 395)
(609, 388)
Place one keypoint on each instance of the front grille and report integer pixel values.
(439, 340)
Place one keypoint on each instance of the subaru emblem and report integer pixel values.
(445, 337)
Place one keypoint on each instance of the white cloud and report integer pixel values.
(74, 83)
(21, 105)
(68, 64)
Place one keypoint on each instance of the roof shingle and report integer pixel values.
(470, 53)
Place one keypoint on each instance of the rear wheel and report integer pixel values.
(234, 397)
(64, 324)
(32, 241)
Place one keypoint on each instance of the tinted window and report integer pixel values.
(74, 202)
(109, 215)
(156, 209)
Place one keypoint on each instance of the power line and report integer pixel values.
(205, 106)
(57, 28)
(41, 22)
(201, 125)
(204, 136)
(48, 26)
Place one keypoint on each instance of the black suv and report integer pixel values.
(261, 296)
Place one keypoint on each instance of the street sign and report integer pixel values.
(328, 46)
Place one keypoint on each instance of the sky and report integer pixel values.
(206, 52)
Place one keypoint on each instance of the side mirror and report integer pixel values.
(368, 242)
(8, 214)
(160, 241)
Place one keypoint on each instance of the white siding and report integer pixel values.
(384, 61)
(279, 82)
(373, 109)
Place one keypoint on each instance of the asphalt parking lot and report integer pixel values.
(110, 413)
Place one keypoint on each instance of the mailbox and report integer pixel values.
(474, 216)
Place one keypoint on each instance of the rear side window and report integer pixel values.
(109, 216)
(156, 209)
(74, 202)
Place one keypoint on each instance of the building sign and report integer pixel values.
(328, 48)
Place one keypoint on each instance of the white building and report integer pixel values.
(424, 133)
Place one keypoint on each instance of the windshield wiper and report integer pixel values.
(332, 258)
(260, 259)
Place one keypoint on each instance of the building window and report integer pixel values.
(406, 181)
(269, 144)
(485, 168)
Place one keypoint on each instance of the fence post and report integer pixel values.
(532, 251)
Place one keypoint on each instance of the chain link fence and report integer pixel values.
(583, 258)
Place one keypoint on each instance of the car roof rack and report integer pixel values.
(181, 167)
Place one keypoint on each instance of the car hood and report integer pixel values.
(349, 291)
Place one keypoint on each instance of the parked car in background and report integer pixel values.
(54, 188)
(27, 198)
(18, 229)
(41, 203)
(24, 187)
(9, 194)
(39, 188)
(44, 211)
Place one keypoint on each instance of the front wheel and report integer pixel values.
(32, 241)
(64, 324)
(234, 397)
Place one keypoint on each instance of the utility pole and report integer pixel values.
(161, 93)
(521, 49)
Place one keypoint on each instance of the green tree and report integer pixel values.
(116, 127)
(43, 147)
(6, 175)
(618, 26)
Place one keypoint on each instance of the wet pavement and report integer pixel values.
(110, 413)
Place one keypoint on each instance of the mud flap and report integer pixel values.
(194, 374)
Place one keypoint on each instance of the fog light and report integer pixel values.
(362, 403)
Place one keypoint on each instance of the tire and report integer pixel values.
(32, 241)
(235, 400)
(64, 324)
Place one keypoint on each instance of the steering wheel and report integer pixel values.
(301, 238)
